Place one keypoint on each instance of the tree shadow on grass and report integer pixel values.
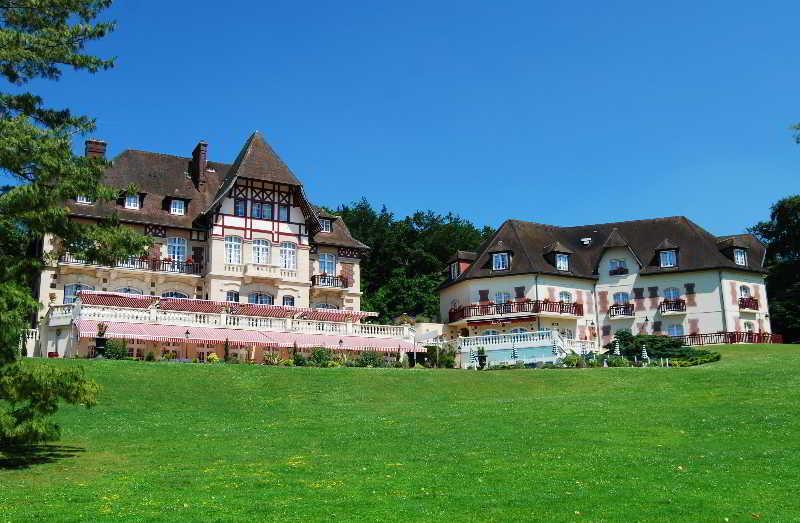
(17, 458)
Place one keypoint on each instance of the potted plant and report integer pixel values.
(481, 357)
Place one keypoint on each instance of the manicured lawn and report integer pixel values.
(213, 442)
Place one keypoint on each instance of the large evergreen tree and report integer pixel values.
(38, 38)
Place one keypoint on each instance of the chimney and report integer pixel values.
(199, 162)
(95, 149)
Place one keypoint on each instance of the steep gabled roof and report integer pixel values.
(615, 239)
(666, 244)
(339, 236)
(558, 247)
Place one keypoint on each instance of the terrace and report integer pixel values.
(142, 263)
(330, 282)
(515, 307)
(668, 307)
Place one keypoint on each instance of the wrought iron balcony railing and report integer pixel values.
(620, 310)
(143, 263)
(531, 306)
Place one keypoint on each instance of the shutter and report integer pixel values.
(519, 292)
(551, 293)
(602, 299)
(347, 273)
(165, 203)
(483, 296)
(734, 295)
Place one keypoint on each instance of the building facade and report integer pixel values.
(661, 276)
(242, 233)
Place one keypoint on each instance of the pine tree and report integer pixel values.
(38, 38)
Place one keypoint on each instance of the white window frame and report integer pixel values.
(675, 330)
(626, 301)
(668, 258)
(500, 261)
(289, 255)
(327, 261)
(288, 298)
(233, 250)
(502, 297)
(232, 294)
(175, 294)
(744, 291)
(262, 252)
(132, 201)
(326, 224)
(749, 326)
(562, 261)
(563, 294)
(672, 293)
(617, 263)
(177, 207)
(176, 249)
(260, 298)
(71, 291)
(83, 200)
(740, 257)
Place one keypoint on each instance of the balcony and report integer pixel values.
(672, 307)
(332, 282)
(141, 264)
(621, 310)
(750, 304)
(513, 307)
(619, 271)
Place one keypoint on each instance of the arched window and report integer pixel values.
(260, 298)
(327, 264)
(672, 293)
(565, 296)
(288, 255)
(621, 298)
(71, 291)
(176, 249)
(261, 252)
(232, 296)
(129, 290)
(744, 291)
(174, 294)
(675, 330)
(233, 250)
(490, 332)
(288, 301)
(325, 306)
(518, 330)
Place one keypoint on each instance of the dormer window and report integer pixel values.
(327, 225)
(740, 257)
(132, 201)
(668, 258)
(84, 199)
(177, 207)
(562, 262)
(500, 261)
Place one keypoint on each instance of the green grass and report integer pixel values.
(213, 442)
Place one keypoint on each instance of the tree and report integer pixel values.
(37, 40)
(781, 234)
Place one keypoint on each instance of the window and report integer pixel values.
(490, 332)
(177, 207)
(261, 210)
(672, 293)
(176, 249)
(288, 301)
(749, 326)
(132, 201)
(261, 252)
(562, 262)
(129, 290)
(740, 256)
(232, 296)
(71, 291)
(327, 225)
(239, 207)
(502, 297)
(621, 298)
(327, 264)
(617, 264)
(259, 298)
(233, 250)
(325, 306)
(500, 261)
(84, 199)
(288, 255)
(565, 296)
(518, 330)
(744, 291)
(454, 271)
(675, 330)
(668, 258)
(174, 294)
(283, 213)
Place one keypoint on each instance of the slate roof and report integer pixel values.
(462, 255)
(163, 175)
(339, 236)
(531, 242)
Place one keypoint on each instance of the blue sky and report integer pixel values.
(563, 113)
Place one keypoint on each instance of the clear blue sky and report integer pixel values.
(583, 112)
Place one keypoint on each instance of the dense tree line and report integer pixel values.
(404, 265)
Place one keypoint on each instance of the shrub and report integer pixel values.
(272, 359)
(115, 350)
(660, 347)
(570, 360)
(298, 360)
(618, 361)
(150, 356)
(321, 357)
(287, 363)
(370, 359)
(213, 358)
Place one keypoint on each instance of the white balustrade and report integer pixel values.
(264, 271)
(538, 337)
(233, 268)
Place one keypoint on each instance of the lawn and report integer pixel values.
(214, 442)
